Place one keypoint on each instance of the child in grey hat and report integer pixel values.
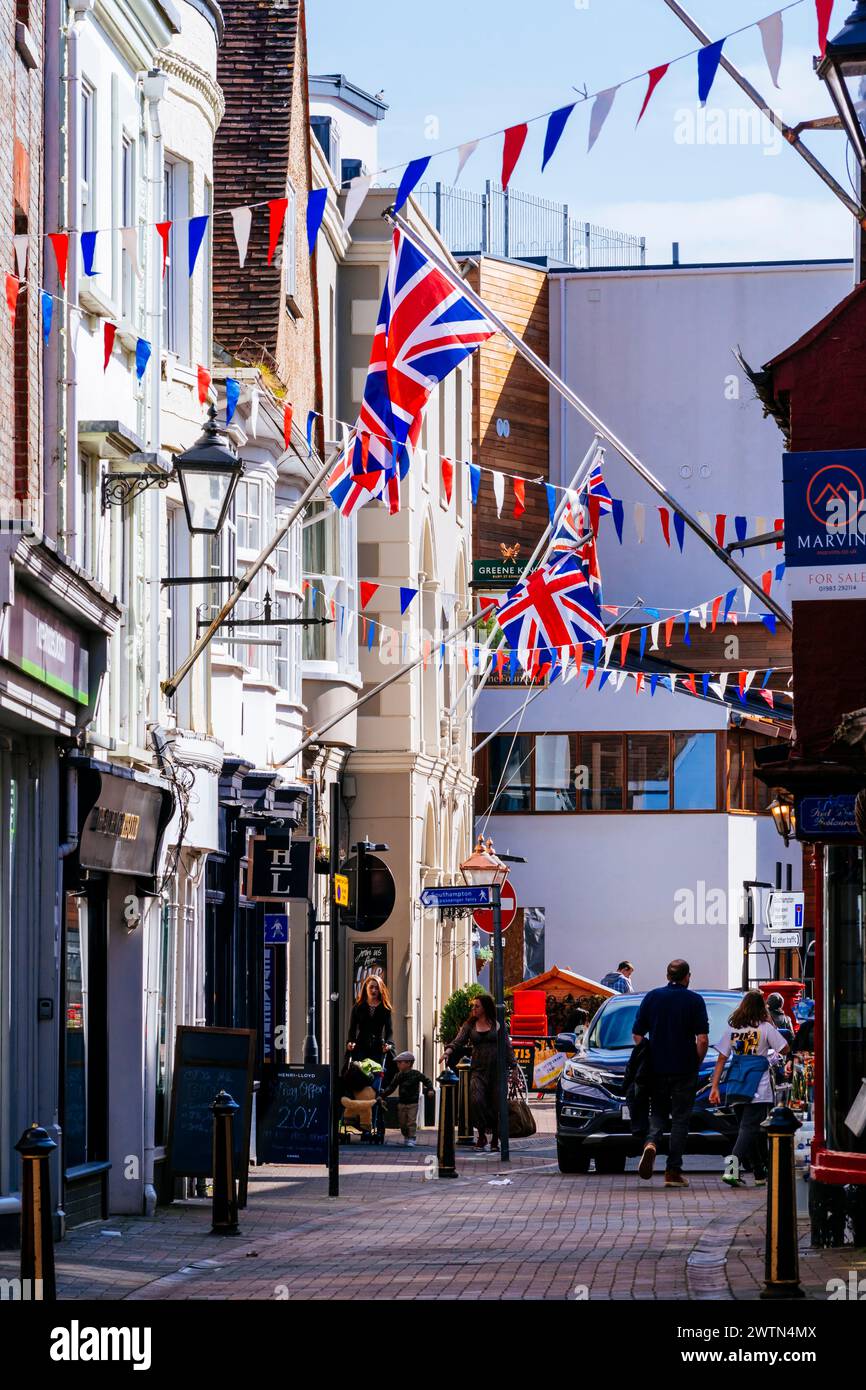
(408, 1083)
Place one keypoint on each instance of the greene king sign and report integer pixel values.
(825, 524)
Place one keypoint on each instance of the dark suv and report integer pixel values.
(592, 1113)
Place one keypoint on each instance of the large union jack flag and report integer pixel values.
(553, 607)
(425, 329)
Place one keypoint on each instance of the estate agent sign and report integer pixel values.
(825, 523)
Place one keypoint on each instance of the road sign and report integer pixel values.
(457, 897)
(341, 890)
(276, 929)
(781, 940)
(484, 919)
(785, 912)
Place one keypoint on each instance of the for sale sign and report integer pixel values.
(825, 523)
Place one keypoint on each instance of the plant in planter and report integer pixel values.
(455, 1011)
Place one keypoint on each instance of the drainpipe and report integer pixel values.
(69, 514)
(55, 153)
(67, 847)
(155, 86)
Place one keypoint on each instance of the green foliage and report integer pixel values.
(456, 1011)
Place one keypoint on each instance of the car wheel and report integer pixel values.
(572, 1158)
(610, 1162)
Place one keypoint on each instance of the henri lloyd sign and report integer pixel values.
(825, 524)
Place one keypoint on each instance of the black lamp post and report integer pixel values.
(208, 473)
(842, 69)
(782, 811)
(485, 868)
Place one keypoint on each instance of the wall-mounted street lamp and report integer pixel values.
(781, 808)
(842, 70)
(208, 473)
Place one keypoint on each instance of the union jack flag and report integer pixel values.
(425, 329)
(553, 607)
(597, 487)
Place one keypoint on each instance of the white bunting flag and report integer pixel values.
(704, 520)
(355, 195)
(723, 680)
(499, 491)
(464, 152)
(22, 241)
(129, 242)
(564, 653)
(750, 676)
(608, 650)
(760, 530)
(242, 219)
(639, 521)
(747, 600)
(771, 38)
(702, 609)
(654, 634)
(254, 409)
(716, 688)
(619, 678)
(449, 603)
(600, 112)
(329, 584)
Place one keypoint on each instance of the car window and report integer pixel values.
(612, 1027)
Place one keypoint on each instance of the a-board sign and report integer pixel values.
(206, 1061)
(293, 1111)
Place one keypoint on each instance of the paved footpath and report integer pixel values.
(525, 1229)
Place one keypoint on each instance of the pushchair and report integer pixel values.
(362, 1110)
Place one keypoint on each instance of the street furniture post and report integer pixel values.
(781, 1257)
(37, 1235)
(448, 1084)
(464, 1114)
(224, 1220)
(501, 1038)
(335, 1041)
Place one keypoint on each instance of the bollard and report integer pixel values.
(37, 1231)
(464, 1113)
(448, 1084)
(781, 1257)
(225, 1196)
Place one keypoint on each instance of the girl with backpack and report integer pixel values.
(752, 1042)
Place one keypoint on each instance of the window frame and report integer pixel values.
(177, 189)
(87, 157)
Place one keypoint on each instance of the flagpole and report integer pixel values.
(581, 475)
(590, 416)
(170, 686)
(775, 119)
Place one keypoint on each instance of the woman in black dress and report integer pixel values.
(480, 1034)
(370, 1024)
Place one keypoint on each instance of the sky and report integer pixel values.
(719, 181)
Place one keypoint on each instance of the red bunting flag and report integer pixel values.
(825, 10)
(501, 658)
(164, 228)
(519, 497)
(515, 138)
(277, 209)
(590, 677)
(287, 425)
(654, 77)
(108, 332)
(203, 384)
(666, 524)
(13, 285)
(638, 683)
(779, 525)
(623, 647)
(690, 682)
(367, 591)
(365, 451)
(669, 627)
(717, 603)
(594, 504)
(60, 246)
(721, 523)
(768, 696)
(447, 478)
(767, 581)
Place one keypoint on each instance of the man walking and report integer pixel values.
(674, 1018)
(620, 979)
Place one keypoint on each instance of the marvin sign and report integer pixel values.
(825, 524)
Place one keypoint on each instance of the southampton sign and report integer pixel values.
(825, 524)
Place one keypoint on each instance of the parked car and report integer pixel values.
(592, 1113)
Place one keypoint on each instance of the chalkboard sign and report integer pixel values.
(368, 958)
(208, 1060)
(293, 1113)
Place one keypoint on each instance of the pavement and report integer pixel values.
(496, 1232)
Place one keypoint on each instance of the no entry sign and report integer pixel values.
(483, 918)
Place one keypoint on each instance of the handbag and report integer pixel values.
(521, 1121)
(742, 1077)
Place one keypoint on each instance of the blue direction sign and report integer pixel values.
(457, 897)
(276, 929)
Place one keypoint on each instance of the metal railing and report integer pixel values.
(504, 222)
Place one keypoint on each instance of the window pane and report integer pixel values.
(648, 772)
(554, 785)
(694, 772)
(510, 764)
(600, 772)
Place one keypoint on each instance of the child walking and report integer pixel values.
(408, 1083)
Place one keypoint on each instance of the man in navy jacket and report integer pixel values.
(674, 1018)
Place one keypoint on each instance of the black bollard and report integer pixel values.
(37, 1229)
(225, 1195)
(448, 1085)
(781, 1257)
(464, 1113)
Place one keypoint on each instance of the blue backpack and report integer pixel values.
(742, 1077)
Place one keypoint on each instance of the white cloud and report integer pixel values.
(755, 226)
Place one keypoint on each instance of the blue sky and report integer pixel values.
(720, 182)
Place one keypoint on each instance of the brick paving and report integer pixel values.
(537, 1235)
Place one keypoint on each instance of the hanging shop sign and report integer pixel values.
(825, 523)
(496, 574)
(280, 872)
(122, 829)
(46, 646)
(826, 818)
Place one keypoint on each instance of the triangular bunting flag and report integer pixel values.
(143, 350)
(624, 641)
(474, 482)
(311, 420)
(47, 315)
(599, 114)
(60, 247)
(129, 242)
(768, 696)
(21, 243)
(355, 195)
(767, 581)
(824, 9)
(498, 490)
(729, 599)
(679, 529)
(771, 41)
(617, 513)
(717, 603)
(708, 65)
(163, 229)
(12, 287)
(654, 634)
(464, 153)
(316, 202)
(550, 490)
(447, 479)
(519, 486)
(412, 175)
(367, 591)
(406, 596)
(88, 251)
(242, 221)
(203, 376)
(556, 123)
(639, 521)
(277, 209)
(721, 525)
(769, 621)
(669, 628)
(654, 77)
(108, 332)
(233, 394)
(665, 516)
(287, 425)
(196, 229)
(512, 144)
